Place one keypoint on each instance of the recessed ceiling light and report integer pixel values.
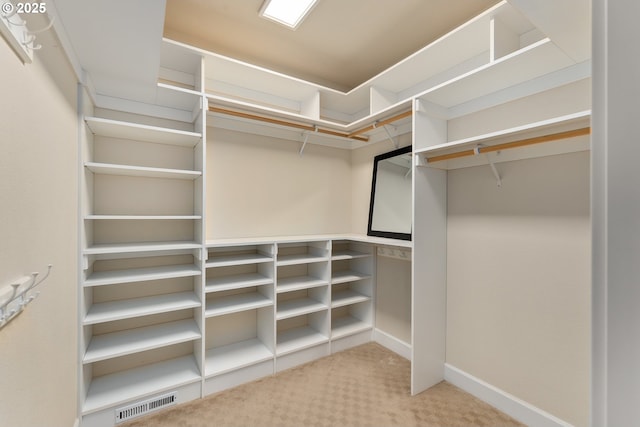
(287, 12)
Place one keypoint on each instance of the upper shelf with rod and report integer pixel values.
(528, 138)
(495, 52)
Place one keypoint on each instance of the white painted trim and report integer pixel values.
(76, 423)
(392, 343)
(505, 402)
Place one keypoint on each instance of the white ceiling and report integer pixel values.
(341, 44)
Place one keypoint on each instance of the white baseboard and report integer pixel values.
(499, 399)
(392, 343)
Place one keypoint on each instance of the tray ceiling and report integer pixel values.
(340, 44)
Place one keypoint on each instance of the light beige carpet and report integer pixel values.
(364, 386)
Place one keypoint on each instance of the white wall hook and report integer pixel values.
(21, 295)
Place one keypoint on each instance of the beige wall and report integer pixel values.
(38, 193)
(518, 280)
(261, 186)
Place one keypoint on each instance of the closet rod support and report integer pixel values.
(391, 138)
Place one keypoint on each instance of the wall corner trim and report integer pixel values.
(392, 343)
(505, 402)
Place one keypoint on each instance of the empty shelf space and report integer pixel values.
(219, 360)
(142, 171)
(347, 297)
(117, 248)
(121, 343)
(348, 325)
(300, 259)
(237, 281)
(139, 132)
(348, 254)
(135, 307)
(236, 303)
(298, 307)
(298, 339)
(123, 386)
(289, 284)
(240, 259)
(347, 276)
(113, 277)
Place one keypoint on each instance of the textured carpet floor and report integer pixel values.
(364, 386)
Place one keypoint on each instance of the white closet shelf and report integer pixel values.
(220, 360)
(141, 171)
(237, 281)
(142, 217)
(532, 61)
(348, 254)
(236, 303)
(113, 389)
(242, 259)
(560, 123)
(177, 97)
(298, 339)
(136, 307)
(116, 344)
(300, 259)
(138, 132)
(297, 283)
(347, 297)
(298, 307)
(112, 277)
(125, 248)
(347, 276)
(347, 325)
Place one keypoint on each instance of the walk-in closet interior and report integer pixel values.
(211, 221)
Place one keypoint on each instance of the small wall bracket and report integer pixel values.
(305, 136)
(476, 151)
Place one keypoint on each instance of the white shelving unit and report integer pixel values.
(352, 293)
(303, 298)
(239, 313)
(141, 255)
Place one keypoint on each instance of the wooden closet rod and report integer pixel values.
(381, 123)
(514, 144)
(286, 123)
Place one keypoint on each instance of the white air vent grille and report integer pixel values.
(141, 408)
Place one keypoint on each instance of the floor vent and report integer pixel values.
(141, 408)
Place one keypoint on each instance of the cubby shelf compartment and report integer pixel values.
(141, 171)
(347, 276)
(347, 297)
(139, 132)
(220, 360)
(236, 303)
(112, 277)
(113, 389)
(348, 254)
(241, 259)
(298, 339)
(297, 283)
(298, 307)
(144, 306)
(237, 281)
(301, 259)
(136, 340)
(347, 325)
